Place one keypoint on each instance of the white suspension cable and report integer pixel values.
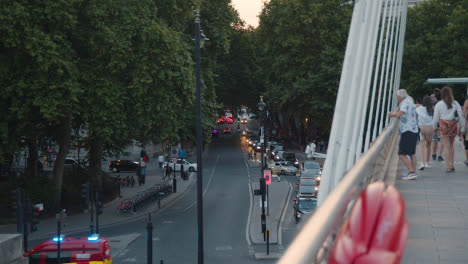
(401, 44)
(394, 59)
(363, 85)
(369, 73)
(375, 75)
(387, 67)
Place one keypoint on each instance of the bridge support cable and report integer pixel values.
(368, 77)
(387, 92)
(376, 71)
(335, 142)
(401, 44)
(384, 73)
(358, 128)
(352, 106)
(391, 91)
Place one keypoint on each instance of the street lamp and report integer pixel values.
(261, 107)
(199, 42)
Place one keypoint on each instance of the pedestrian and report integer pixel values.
(160, 160)
(436, 137)
(425, 113)
(408, 129)
(322, 145)
(447, 114)
(250, 156)
(465, 138)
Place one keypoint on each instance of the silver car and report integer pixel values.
(283, 168)
(312, 167)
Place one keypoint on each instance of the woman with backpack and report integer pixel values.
(447, 114)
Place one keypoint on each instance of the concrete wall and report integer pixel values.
(11, 249)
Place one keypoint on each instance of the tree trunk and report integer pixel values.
(64, 140)
(95, 160)
(33, 159)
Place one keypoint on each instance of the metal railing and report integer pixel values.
(316, 239)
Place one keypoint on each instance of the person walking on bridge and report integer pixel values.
(465, 137)
(425, 113)
(406, 112)
(446, 113)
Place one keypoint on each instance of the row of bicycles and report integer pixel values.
(128, 181)
(144, 198)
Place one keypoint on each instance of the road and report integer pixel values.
(226, 203)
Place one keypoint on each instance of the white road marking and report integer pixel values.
(224, 248)
(129, 260)
(247, 228)
(207, 186)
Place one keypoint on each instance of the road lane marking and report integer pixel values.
(207, 186)
(224, 248)
(247, 228)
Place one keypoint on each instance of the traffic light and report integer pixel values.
(85, 192)
(35, 211)
(99, 207)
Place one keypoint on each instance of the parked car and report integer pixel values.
(282, 168)
(291, 156)
(123, 165)
(312, 166)
(188, 166)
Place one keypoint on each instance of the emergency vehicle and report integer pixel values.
(73, 250)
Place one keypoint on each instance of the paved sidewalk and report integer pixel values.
(110, 216)
(437, 210)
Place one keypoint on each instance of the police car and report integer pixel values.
(73, 250)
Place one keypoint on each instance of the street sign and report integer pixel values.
(182, 153)
(267, 176)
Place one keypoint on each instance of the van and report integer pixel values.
(80, 250)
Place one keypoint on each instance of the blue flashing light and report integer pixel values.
(93, 237)
(55, 239)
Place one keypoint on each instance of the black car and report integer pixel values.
(291, 156)
(123, 165)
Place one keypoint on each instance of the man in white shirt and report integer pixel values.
(406, 112)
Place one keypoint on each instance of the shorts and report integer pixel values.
(466, 144)
(408, 141)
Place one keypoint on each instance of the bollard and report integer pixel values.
(174, 185)
(149, 249)
(268, 241)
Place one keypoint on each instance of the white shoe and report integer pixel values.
(421, 166)
(410, 176)
(428, 165)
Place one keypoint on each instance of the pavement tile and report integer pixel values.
(457, 255)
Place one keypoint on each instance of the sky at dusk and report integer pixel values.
(249, 10)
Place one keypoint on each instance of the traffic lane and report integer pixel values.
(227, 206)
(180, 223)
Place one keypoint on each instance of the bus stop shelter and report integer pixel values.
(463, 80)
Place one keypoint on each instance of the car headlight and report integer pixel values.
(273, 153)
(316, 188)
(297, 162)
(318, 178)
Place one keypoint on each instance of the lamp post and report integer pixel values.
(261, 107)
(199, 42)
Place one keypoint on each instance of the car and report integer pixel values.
(214, 132)
(258, 147)
(305, 204)
(177, 164)
(307, 182)
(279, 155)
(310, 175)
(308, 190)
(311, 166)
(230, 120)
(77, 249)
(274, 150)
(243, 121)
(123, 165)
(282, 168)
(291, 156)
(221, 120)
(226, 130)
